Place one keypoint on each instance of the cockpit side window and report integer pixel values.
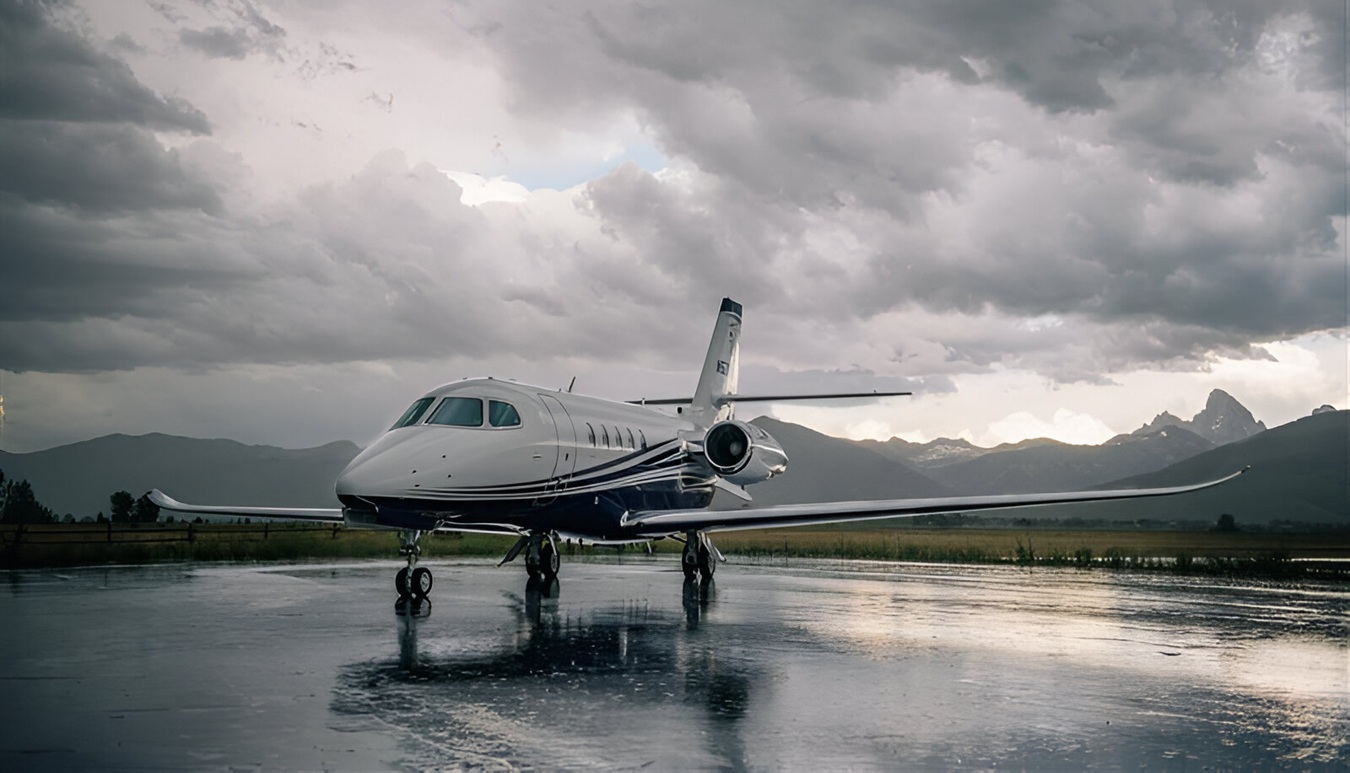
(502, 414)
(458, 412)
(414, 412)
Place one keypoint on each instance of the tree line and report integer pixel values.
(18, 504)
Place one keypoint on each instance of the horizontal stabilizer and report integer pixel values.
(320, 514)
(726, 399)
(663, 522)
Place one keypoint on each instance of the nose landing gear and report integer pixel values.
(412, 580)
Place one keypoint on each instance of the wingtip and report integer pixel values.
(161, 499)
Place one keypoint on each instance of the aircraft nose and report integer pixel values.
(373, 470)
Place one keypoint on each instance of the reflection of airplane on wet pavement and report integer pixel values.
(483, 455)
(477, 698)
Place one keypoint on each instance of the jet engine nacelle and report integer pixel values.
(743, 453)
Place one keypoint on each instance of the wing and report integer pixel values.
(663, 522)
(320, 514)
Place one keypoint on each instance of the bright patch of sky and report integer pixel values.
(1005, 406)
(1065, 426)
(571, 172)
(481, 190)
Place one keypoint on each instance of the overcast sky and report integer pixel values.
(280, 222)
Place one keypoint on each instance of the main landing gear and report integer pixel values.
(542, 560)
(699, 557)
(412, 580)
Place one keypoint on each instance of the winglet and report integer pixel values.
(163, 500)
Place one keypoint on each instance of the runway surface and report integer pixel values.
(812, 665)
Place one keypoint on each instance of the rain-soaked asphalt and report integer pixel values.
(813, 665)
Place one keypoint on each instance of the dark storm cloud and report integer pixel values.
(95, 167)
(1133, 174)
(53, 74)
(389, 264)
(1165, 175)
(100, 222)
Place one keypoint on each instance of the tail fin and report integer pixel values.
(720, 368)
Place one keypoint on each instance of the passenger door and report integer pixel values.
(566, 460)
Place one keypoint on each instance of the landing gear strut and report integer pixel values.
(412, 580)
(699, 557)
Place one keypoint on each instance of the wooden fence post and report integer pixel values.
(192, 533)
(109, 523)
(265, 525)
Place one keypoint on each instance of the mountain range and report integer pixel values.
(1049, 465)
(1299, 469)
(78, 478)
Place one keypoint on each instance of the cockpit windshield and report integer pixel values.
(458, 412)
(414, 412)
(502, 414)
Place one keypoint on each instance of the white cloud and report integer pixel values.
(1065, 426)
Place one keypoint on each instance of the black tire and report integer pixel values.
(421, 582)
(532, 566)
(549, 563)
(707, 565)
(401, 582)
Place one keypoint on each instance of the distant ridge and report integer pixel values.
(1300, 472)
(1222, 420)
(1041, 464)
(78, 478)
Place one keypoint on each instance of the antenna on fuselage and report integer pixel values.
(569, 386)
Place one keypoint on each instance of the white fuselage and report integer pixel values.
(507, 456)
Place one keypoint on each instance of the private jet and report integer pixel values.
(486, 455)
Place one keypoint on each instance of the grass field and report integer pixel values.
(1229, 552)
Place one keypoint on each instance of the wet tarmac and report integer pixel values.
(814, 665)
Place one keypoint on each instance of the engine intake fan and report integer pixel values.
(743, 453)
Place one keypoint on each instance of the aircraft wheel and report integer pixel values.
(401, 582)
(421, 582)
(707, 565)
(549, 563)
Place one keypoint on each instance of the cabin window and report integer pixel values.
(642, 439)
(604, 436)
(502, 414)
(590, 434)
(414, 412)
(629, 432)
(458, 412)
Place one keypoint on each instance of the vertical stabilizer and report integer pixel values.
(720, 367)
